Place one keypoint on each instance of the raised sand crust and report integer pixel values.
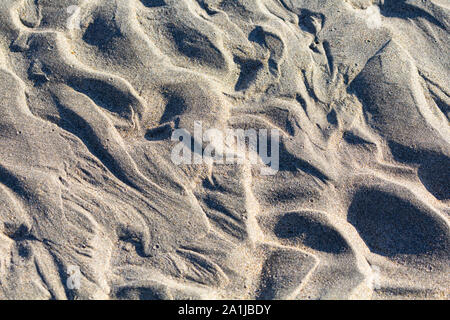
(90, 92)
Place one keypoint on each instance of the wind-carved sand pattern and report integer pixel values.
(90, 92)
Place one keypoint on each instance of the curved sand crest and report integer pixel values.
(90, 92)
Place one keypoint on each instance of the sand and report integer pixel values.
(93, 207)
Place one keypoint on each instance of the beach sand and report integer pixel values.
(92, 205)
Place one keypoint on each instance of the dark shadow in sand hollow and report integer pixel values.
(391, 226)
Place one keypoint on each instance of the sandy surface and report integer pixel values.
(93, 207)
